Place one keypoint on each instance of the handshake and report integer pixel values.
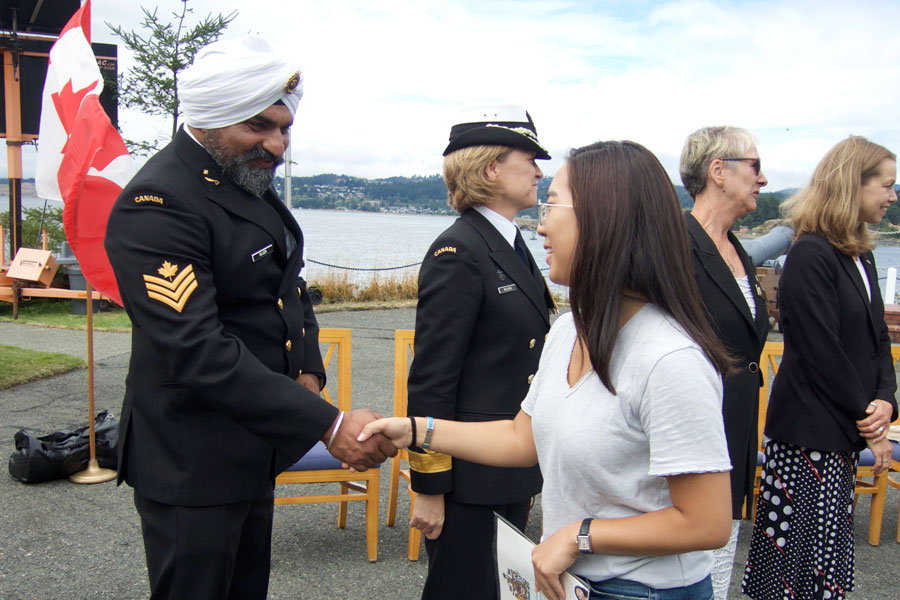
(374, 449)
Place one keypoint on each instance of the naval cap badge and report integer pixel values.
(292, 83)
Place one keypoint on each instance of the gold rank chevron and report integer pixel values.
(173, 293)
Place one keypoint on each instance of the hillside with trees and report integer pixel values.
(418, 194)
(428, 194)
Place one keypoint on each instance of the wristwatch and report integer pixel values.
(584, 537)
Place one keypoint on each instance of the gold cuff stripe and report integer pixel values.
(174, 294)
(430, 462)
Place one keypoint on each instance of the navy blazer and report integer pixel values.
(222, 326)
(481, 321)
(744, 336)
(837, 353)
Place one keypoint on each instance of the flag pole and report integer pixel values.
(94, 473)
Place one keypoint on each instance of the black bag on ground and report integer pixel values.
(62, 453)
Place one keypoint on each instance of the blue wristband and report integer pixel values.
(428, 433)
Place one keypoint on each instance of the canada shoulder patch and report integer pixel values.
(174, 287)
(149, 200)
(444, 250)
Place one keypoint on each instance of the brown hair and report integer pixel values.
(829, 204)
(631, 236)
(465, 173)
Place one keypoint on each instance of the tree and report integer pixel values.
(160, 55)
(33, 220)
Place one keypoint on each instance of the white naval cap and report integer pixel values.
(233, 80)
(495, 124)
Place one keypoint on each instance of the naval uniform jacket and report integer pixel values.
(744, 336)
(222, 326)
(837, 353)
(481, 319)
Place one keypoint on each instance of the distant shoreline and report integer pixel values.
(524, 223)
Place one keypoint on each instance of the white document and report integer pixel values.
(515, 572)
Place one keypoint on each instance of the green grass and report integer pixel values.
(18, 366)
(58, 313)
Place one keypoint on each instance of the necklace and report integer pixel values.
(726, 257)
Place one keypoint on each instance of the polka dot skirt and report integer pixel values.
(802, 543)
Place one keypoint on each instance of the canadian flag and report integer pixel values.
(81, 158)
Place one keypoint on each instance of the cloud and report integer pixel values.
(384, 78)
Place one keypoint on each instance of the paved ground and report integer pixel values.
(62, 540)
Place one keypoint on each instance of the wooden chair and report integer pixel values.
(769, 362)
(318, 466)
(893, 478)
(403, 351)
(768, 365)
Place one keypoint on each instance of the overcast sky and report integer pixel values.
(384, 78)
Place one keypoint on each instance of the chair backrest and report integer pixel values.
(403, 352)
(769, 361)
(338, 342)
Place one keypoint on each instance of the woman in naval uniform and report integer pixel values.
(483, 311)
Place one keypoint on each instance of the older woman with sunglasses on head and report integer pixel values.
(624, 414)
(720, 169)
(834, 391)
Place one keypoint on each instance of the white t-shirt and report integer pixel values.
(606, 456)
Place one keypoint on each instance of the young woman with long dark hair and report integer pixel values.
(624, 414)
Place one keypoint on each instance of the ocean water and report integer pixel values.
(361, 242)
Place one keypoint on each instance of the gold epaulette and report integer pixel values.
(429, 462)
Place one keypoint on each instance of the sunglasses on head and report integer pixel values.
(754, 162)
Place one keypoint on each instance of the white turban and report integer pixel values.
(233, 80)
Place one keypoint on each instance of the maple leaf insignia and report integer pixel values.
(168, 270)
(67, 101)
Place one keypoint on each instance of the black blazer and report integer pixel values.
(481, 321)
(211, 392)
(837, 353)
(744, 336)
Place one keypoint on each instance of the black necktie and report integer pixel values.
(520, 248)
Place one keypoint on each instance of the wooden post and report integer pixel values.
(94, 473)
(13, 150)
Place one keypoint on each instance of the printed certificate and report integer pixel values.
(514, 570)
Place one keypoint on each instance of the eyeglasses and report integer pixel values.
(544, 210)
(754, 162)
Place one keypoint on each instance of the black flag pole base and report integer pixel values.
(94, 473)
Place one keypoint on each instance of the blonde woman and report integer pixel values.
(834, 392)
(481, 319)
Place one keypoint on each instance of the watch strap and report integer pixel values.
(583, 539)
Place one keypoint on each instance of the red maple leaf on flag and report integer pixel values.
(67, 102)
(82, 159)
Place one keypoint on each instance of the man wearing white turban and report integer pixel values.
(223, 387)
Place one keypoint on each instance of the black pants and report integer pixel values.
(207, 552)
(461, 559)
